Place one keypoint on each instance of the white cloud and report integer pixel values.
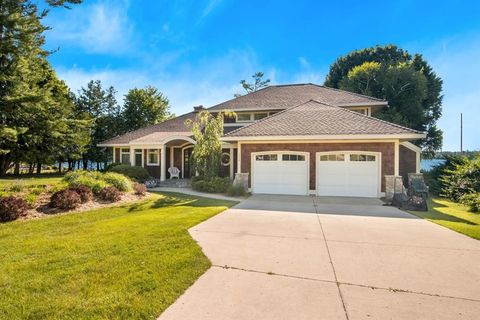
(97, 28)
(211, 5)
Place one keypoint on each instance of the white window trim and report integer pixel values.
(124, 152)
(148, 157)
(367, 110)
(243, 121)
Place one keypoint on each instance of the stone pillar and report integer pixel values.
(241, 179)
(231, 163)
(393, 185)
(163, 163)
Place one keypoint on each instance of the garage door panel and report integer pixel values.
(280, 176)
(348, 178)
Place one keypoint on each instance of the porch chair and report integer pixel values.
(174, 172)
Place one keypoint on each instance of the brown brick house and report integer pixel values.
(290, 139)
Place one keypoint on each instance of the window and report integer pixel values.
(152, 157)
(225, 159)
(258, 116)
(293, 157)
(364, 111)
(243, 117)
(362, 157)
(125, 155)
(266, 157)
(138, 157)
(332, 157)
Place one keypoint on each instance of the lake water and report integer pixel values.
(428, 164)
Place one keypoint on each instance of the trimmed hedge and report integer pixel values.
(214, 185)
(11, 208)
(139, 174)
(65, 199)
(110, 194)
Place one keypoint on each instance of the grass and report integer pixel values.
(126, 262)
(31, 180)
(453, 216)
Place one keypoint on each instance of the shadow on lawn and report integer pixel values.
(176, 200)
(434, 214)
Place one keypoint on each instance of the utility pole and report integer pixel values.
(461, 132)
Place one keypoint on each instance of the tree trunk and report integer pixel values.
(39, 167)
(85, 164)
(16, 171)
(60, 166)
(30, 168)
(98, 166)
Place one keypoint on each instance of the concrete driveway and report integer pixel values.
(289, 257)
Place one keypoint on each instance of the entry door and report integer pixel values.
(187, 163)
(280, 173)
(351, 174)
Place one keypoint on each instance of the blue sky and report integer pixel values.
(196, 52)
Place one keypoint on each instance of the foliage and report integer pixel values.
(11, 208)
(408, 82)
(139, 188)
(84, 192)
(139, 174)
(118, 180)
(144, 107)
(65, 199)
(110, 194)
(258, 83)
(207, 152)
(472, 200)
(212, 185)
(237, 190)
(17, 186)
(91, 179)
(38, 122)
(118, 245)
(463, 179)
(433, 177)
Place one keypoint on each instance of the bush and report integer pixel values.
(472, 200)
(11, 208)
(110, 194)
(65, 199)
(463, 179)
(237, 190)
(119, 181)
(214, 185)
(17, 186)
(140, 189)
(139, 174)
(84, 192)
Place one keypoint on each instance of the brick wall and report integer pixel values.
(387, 150)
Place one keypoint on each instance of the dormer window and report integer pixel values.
(362, 110)
(244, 117)
(260, 115)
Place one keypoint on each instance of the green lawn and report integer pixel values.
(31, 181)
(127, 262)
(453, 216)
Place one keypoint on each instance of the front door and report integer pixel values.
(187, 163)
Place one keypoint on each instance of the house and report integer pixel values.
(290, 139)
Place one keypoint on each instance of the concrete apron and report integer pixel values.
(287, 257)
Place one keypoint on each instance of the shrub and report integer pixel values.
(236, 190)
(84, 192)
(65, 199)
(472, 200)
(119, 181)
(31, 199)
(17, 186)
(110, 194)
(140, 189)
(214, 185)
(11, 208)
(463, 179)
(139, 174)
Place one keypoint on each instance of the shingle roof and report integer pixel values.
(316, 118)
(156, 132)
(287, 96)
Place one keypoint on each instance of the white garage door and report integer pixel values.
(348, 174)
(280, 173)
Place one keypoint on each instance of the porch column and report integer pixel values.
(171, 157)
(396, 162)
(231, 163)
(163, 163)
(132, 156)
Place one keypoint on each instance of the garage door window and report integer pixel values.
(333, 157)
(266, 157)
(362, 157)
(293, 157)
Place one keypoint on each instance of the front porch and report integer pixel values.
(173, 152)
